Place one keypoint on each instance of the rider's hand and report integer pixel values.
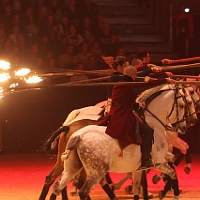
(169, 74)
(147, 79)
(166, 61)
(171, 81)
(156, 69)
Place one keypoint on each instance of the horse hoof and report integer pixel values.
(112, 187)
(136, 197)
(128, 189)
(74, 193)
(155, 179)
(150, 196)
(187, 170)
(88, 197)
(160, 195)
(53, 197)
(180, 190)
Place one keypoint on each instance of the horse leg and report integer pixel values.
(140, 185)
(91, 181)
(108, 178)
(75, 185)
(82, 178)
(116, 186)
(166, 169)
(72, 166)
(64, 193)
(50, 178)
(57, 170)
(170, 183)
(188, 161)
(107, 189)
(144, 185)
(137, 184)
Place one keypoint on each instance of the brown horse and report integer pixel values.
(75, 121)
(65, 134)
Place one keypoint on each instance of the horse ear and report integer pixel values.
(183, 89)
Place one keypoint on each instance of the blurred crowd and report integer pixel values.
(67, 34)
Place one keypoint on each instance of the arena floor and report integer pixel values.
(22, 177)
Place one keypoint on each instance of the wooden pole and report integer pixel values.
(186, 60)
(186, 76)
(175, 67)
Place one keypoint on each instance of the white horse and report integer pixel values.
(98, 153)
(192, 101)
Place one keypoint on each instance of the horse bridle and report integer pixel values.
(174, 126)
(192, 92)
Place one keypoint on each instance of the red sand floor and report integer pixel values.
(22, 177)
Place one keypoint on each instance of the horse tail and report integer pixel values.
(71, 145)
(54, 135)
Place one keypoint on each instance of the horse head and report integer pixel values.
(190, 97)
(176, 116)
(195, 94)
(165, 104)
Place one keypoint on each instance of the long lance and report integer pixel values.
(186, 76)
(101, 84)
(174, 67)
(188, 82)
(107, 72)
(28, 88)
(185, 60)
(73, 72)
(174, 76)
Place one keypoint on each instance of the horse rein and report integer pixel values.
(174, 126)
(188, 114)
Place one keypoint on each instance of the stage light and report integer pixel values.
(187, 10)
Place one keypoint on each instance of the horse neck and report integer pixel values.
(160, 107)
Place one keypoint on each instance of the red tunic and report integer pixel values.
(121, 120)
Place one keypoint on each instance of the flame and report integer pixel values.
(33, 79)
(4, 77)
(4, 65)
(22, 72)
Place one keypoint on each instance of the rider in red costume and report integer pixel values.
(121, 122)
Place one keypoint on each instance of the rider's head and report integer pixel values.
(120, 63)
(130, 71)
(144, 56)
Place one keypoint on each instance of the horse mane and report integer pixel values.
(147, 93)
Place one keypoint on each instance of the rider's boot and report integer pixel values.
(136, 197)
(146, 147)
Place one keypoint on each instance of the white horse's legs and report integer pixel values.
(59, 185)
(74, 191)
(107, 189)
(137, 182)
(91, 181)
(166, 169)
(72, 166)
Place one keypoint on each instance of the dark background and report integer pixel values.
(28, 118)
